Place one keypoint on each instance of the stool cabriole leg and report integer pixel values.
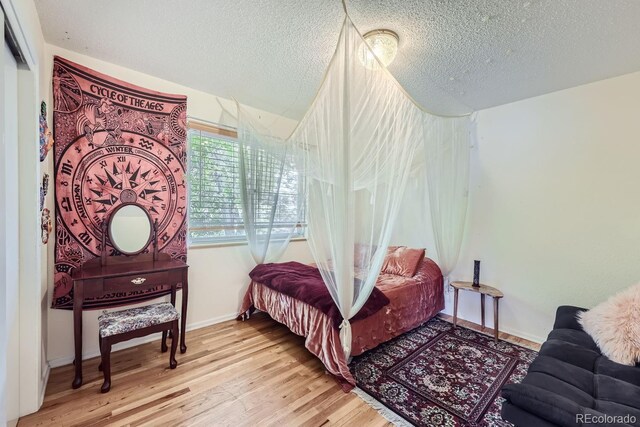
(163, 343)
(106, 364)
(100, 346)
(174, 345)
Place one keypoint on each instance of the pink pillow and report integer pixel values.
(402, 261)
(615, 326)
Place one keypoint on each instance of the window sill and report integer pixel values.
(230, 244)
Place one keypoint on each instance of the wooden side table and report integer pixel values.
(482, 290)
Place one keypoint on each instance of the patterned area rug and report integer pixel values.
(435, 375)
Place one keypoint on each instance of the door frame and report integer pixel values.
(31, 280)
(3, 259)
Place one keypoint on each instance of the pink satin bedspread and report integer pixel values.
(414, 300)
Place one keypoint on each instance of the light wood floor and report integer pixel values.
(233, 374)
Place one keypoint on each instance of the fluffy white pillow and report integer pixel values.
(615, 326)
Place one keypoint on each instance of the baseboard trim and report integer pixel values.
(43, 384)
(67, 360)
(525, 335)
(506, 329)
(212, 321)
(516, 334)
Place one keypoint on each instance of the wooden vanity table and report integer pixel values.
(129, 272)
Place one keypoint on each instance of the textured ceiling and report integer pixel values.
(455, 56)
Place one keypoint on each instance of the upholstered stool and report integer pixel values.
(124, 325)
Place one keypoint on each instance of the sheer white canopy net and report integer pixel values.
(356, 148)
(271, 187)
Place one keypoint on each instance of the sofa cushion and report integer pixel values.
(574, 376)
(628, 416)
(520, 417)
(570, 353)
(579, 338)
(543, 403)
(615, 390)
(558, 410)
(630, 374)
(558, 387)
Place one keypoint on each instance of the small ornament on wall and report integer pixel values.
(45, 225)
(44, 189)
(46, 137)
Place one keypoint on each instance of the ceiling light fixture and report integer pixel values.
(383, 44)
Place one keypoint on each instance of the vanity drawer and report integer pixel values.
(134, 281)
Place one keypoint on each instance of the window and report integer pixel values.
(215, 206)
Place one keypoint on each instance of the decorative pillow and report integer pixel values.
(402, 261)
(615, 326)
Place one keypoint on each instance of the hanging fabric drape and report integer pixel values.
(446, 154)
(359, 138)
(270, 191)
(356, 147)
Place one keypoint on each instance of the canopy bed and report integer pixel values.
(397, 305)
(359, 144)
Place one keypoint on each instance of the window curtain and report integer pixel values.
(271, 210)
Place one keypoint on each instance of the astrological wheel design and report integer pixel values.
(178, 121)
(66, 91)
(106, 177)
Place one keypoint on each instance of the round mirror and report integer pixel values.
(130, 229)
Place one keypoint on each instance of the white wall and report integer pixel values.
(554, 211)
(413, 226)
(218, 275)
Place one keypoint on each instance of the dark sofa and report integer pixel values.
(571, 383)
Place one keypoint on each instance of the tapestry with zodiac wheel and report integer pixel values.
(114, 143)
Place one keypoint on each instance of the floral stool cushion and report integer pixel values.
(118, 322)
